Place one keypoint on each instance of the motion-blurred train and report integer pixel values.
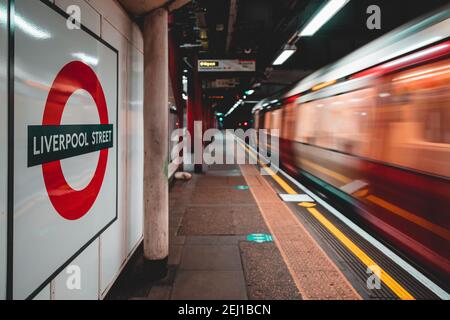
(373, 130)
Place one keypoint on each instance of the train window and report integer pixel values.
(436, 128)
(267, 119)
(403, 119)
(256, 120)
(288, 127)
(307, 118)
(339, 123)
(414, 117)
(275, 122)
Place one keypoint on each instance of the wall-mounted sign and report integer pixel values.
(222, 83)
(213, 65)
(65, 143)
(208, 64)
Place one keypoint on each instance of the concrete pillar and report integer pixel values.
(156, 189)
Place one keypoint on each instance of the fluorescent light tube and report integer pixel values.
(325, 14)
(285, 55)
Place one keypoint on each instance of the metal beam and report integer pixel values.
(231, 24)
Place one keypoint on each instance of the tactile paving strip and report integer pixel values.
(315, 275)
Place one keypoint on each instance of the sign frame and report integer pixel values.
(11, 146)
(226, 65)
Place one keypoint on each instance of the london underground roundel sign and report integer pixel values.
(69, 203)
(65, 150)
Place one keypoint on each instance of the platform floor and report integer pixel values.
(210, 258)
(313, 253)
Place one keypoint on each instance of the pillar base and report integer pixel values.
(153, 270)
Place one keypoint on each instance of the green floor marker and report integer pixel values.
(242, 187)
(259, 237)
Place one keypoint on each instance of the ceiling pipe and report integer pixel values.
(231, 24)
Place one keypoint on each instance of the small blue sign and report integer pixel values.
(242, 187)
(260, 237)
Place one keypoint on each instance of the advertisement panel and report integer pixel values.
(65, 143)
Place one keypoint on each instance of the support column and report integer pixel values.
(156, 190)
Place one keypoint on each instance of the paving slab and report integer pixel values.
(175, 252)
(160, 293)
(211, 257)
(209, 285)
(207, 221)
(214, 240)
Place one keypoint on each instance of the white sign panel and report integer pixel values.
(213, 65)
(3, 144)
(65, 143)
(295, 198)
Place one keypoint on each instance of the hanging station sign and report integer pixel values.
(222, 83)
(65, 143)
(212, 65)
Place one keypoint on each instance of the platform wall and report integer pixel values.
(102, 261)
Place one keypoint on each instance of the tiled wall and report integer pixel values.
(103, 260)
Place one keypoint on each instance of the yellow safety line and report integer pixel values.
(384, 276)
(401, 292)
(307, 204)
(280, 181)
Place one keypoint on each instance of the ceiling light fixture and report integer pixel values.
(322, 17)
(287, 52)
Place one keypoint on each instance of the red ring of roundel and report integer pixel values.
(69, 203)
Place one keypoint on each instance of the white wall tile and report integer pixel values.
(89, 17)
(135, 159)
(114, 13)
(137, 39)
(113, 248)
(88, 263)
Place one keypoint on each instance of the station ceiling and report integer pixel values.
(258, 29)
